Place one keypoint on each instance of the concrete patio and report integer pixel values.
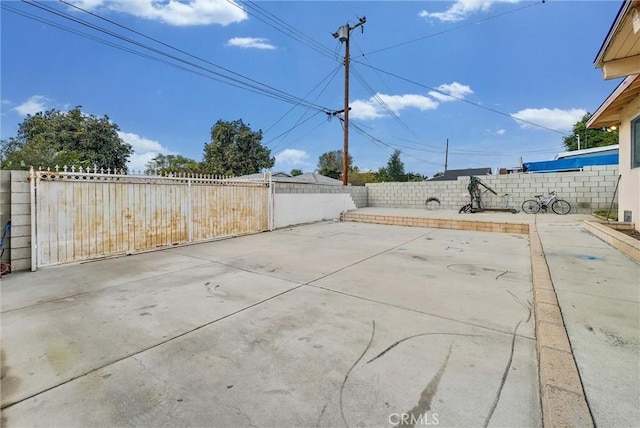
(330, 324)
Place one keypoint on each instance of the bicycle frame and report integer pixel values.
(547, 201)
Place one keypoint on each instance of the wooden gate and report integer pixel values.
(82, 215)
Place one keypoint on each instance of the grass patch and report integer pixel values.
(603, 214)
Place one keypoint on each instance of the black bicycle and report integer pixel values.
(559, 206)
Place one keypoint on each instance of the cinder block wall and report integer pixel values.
(358, 193)
(15, 204)
(587, 191)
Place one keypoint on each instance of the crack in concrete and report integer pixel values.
(344, 382)
(504, 377)
(389, 348)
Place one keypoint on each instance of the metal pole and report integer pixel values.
(446, 156)
(345, 154)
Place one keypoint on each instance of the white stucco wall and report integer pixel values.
(299, 208)
(629, 189)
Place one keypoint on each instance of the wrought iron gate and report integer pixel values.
(82, 215)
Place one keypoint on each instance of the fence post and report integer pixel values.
(271, 202)
(189, 215)
(34, 230)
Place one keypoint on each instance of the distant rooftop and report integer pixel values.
(283, 177)
(585, 152)
(453, 174)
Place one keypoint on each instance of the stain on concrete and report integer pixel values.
(426, 397)
(9, 385)
(589, 257)
(477, 270)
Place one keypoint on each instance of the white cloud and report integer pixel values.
(556, 119)
(144, 150)
(292, 157)
(371, 108)
(33, 105)
(451, 92)
(173, 12)
(501, 131)
(461, 9)
(250, 42)
(364, 110)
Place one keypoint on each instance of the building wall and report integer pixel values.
(357, 193)
(589, 190)
(297, 203)
(629, 189)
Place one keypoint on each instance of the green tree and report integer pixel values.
(360, 178)
(235, 150)
(330, 164)
(394, 171)
(295, 172)
(61, 138)
(589, 138)
(165, 164)
(414, 176)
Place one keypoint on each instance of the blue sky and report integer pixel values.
(497, 59)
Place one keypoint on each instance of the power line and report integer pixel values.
(332, 76)
(459, 27)
(460, 98)
(283, 27)
(254, 86)
(391, 146)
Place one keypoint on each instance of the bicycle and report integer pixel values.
(559, 206)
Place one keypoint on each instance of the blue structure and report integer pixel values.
(570, 164)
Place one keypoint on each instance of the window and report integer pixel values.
(635, 143)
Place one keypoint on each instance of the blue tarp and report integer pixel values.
(570, 164)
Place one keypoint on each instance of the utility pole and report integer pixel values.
(344, 34)
(446, 156)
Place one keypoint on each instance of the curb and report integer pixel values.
(623, 243)
(564, 403)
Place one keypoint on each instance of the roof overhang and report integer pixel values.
(608, 114)
(619, 55)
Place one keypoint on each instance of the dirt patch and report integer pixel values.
(629, 232)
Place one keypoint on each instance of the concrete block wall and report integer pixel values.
(587, 191)
(15, 203)
(358, 193)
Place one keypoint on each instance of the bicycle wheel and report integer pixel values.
(560, 206)
(465, 209)
(531, 206)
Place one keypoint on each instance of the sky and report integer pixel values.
(422, 73)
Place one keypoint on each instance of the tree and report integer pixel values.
(63, 138)
(414, 176)
(589, 138)
(360, 178)
(166, 164)
(295, 172)
(330, 164)
(394, 171)
(235, 150)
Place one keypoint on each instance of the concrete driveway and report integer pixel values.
(331, 324)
